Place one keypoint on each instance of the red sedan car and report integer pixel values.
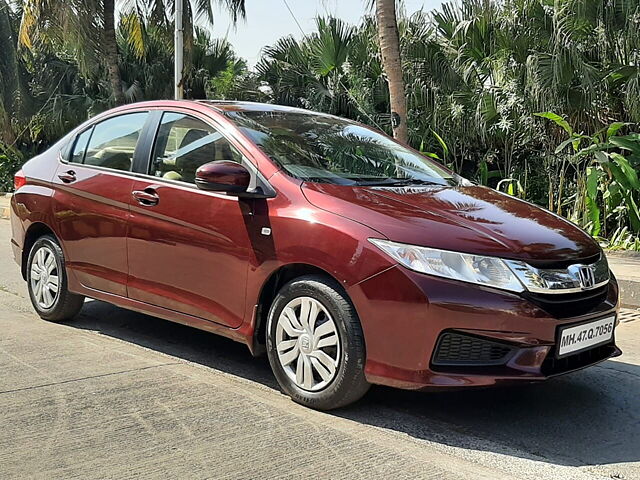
(349, 258)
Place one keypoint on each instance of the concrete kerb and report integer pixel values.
(5, 198)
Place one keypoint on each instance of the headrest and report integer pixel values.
(195, 150)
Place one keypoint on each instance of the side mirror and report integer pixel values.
(223, 176)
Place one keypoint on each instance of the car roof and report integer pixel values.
(221, 106)
(239, 106)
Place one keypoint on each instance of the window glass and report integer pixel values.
(185, 143)
(113, 141)
(80, 147)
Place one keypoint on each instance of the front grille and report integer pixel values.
(561, 265)
(457, 349)
(555, 366)
(564, 305)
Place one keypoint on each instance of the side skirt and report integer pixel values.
(239, 335)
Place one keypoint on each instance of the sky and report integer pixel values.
(268, 20)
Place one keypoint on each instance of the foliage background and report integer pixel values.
(477, 72)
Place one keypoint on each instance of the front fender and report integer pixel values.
(301, 234)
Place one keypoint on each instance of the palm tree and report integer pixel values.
(111, 50)
(209, 58)
(331, 70)
(87, 27)
(147, 66)
(9, 74)
(389, 40)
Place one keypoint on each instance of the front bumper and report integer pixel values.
(405, 315)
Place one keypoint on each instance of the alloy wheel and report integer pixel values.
(307, 343)
(44, 277)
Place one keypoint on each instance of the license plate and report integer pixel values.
(586, 335)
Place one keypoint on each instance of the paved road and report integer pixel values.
(117, 394)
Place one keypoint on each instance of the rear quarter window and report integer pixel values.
(80, 147)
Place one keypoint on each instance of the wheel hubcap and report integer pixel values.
(308, 344)
(44, 277)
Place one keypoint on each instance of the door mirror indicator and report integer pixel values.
(223, 176)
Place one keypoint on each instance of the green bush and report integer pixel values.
(10, 162)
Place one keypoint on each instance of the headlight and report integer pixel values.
(489, 271)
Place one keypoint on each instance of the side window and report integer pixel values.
(184, 143)
(80, 147)
(113, 141)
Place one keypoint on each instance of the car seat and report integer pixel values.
(188, 163)
(118, 161)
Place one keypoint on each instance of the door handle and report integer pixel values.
(68, 176)
(147, 197)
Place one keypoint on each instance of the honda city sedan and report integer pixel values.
(347, 257)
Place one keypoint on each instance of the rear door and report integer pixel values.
(188, 249)
(92, 188)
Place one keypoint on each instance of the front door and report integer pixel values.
(92, 189)
(188, 249)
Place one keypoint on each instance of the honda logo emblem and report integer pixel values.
(587, 276)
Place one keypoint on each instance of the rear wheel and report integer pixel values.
(315, 344)
(47, 282)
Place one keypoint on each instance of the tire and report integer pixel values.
(303, 363)
(46, 258)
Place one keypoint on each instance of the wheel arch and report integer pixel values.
(33, 233)
(274, 282)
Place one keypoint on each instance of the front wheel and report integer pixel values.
(47, 282)
(315, 344)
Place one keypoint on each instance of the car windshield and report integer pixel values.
(327, 149)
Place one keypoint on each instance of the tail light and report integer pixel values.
(19, 180)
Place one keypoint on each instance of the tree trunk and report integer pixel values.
(389, 39)
(10, 86)
(111, 51)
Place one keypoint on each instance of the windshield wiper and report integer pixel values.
(398, 182)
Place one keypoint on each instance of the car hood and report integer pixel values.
(471, 219)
